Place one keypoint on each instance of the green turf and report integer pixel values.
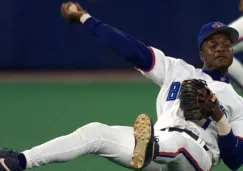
(32, 113)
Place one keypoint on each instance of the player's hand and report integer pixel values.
(204, 96)
(72, 12)
(241, 6)
(198, 101)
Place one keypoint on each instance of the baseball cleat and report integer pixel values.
(144, 142)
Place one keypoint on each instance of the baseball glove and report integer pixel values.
(196, 100)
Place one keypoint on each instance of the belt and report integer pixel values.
(190, 133)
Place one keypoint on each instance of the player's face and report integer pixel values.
(241, 5)
(217, 52)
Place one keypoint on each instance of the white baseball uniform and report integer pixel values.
(178, 150)
(236, 69)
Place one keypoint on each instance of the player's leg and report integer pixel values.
(236, 70)
(113, 142)
(238, 47)
(93, 138)
(178, 150)
(181, 152)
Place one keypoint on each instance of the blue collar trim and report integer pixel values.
(217, 76)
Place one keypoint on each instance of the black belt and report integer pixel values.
(194, 136)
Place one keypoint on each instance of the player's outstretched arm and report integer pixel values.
(124, 45)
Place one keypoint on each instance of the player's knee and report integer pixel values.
(95, 125)
(94, 129)
(92, 126)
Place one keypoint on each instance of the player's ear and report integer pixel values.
(202, 56)
(202, 52)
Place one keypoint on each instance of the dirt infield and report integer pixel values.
(100, 75)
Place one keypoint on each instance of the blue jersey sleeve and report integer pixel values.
(231, 150)
(124, 45)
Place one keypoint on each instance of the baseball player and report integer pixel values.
(236, 69)
(181, 144)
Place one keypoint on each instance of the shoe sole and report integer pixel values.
(142, 133)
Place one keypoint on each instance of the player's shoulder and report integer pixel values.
(159, 53)
(226, 93)
(222, 86)
(230, 101)
(236, 107)
(156, 52)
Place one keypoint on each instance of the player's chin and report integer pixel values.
(223, 63)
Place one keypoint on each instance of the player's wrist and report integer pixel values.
(84, 17)
(217, 114)
(223, 126)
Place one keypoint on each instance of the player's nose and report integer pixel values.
(221, 48)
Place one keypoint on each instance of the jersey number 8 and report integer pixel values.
(174, 91)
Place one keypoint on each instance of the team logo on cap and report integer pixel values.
(217, 25)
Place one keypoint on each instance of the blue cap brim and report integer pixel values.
(232, 33)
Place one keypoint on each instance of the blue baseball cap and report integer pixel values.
(217, 27)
